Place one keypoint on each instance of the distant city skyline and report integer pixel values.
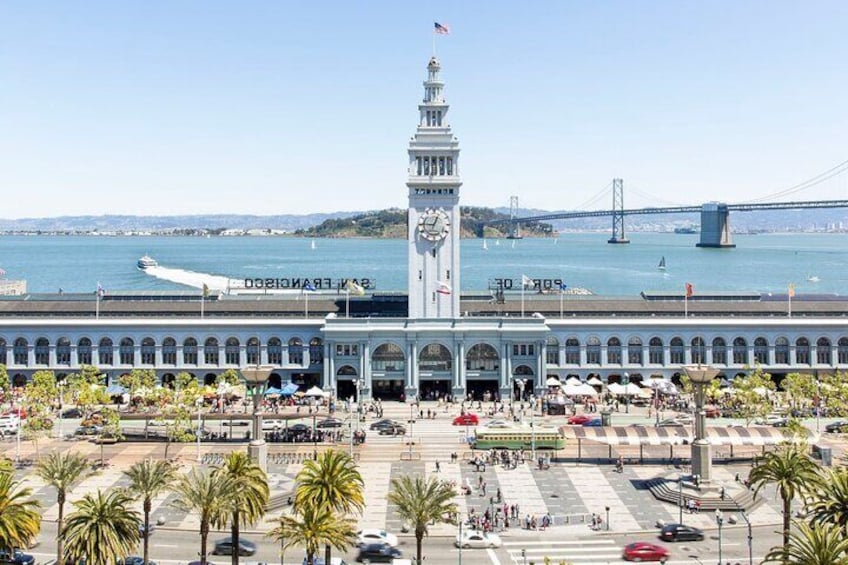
(288, 108)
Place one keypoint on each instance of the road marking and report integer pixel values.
(550, 543)
(491, 553)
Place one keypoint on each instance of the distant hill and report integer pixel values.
(392, 223)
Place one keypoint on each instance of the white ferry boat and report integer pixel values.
(147, 261)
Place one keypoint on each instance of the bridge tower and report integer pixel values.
(514, 226)
(715, 226)
(618, 213)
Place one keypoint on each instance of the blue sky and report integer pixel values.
(291, 107)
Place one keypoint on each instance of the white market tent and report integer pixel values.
(553, 381)
(315, 391)
(595, 381)
(572, 381)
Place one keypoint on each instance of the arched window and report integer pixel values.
(719, 351)
(169, 351)
(614, 351)
(699, 350)
(210, 352)
(823, 353)
(572, 351)
(524, 373)
(551, 350)
(761, 348)
(105, 352)
(20, 351)
(655, 351)
(593, 351)
(346, 371)
(42, 351)
(482, 357)
(316, 351)
(231, 351)
(677, 351)
(63, 351)
(781, 351)
(148, 351)
(126, 351)
(435, 357)
(84, 351)
(634, 351)
(253, 351)
(190, 351)
(740, 351)
(802, 351)
(296, 351)
(388, 357)
(842, 351)
(3, 352)
(275, 351)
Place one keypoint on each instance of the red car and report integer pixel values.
(579, 419)
(466, 420)
(644, 551)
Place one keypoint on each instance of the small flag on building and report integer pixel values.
(444, 288)
(354, 288)
(527, 282)
(791, 290)
(690, 290)
(100, 290)
(205, 290)
(441, 29)
(2, 273)
(563, 287)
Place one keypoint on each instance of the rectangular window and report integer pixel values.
(450, 165)
(441, 166)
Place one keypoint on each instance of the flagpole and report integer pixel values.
(347, 303)
(790, 304)
(686, 305)
(561, 292)
(307, 305)
(202, 303)
(522, 297)
(97, 305)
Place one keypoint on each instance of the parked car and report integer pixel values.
(477, 540)
(16, 557)
(88, 430)
(369, 536)
(320, 561)
(771, 420)
(377, 553)
(579, 419)
(837, 426)
(644, 551)
(330, 423)
(679, 532)
(676, 421)
(593, 423)
(272, 425)
(9, 424)
(72, 413)
(467, 419)
(225, 547)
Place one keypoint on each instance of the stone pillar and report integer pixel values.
(715, 226)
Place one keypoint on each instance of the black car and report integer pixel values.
(72, 413)
(225, 547)
(330, 423)
(17, 557)
(837, 427)
(134, 560)
(380, 424)
(377, 553)
(393, 430)
(679, 532)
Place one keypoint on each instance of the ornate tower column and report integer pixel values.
(434, 217)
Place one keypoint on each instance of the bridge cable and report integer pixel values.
(595, 198)
(809, 183)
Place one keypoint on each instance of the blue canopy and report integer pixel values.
(273, 390)
(289, 389)
(115, 389)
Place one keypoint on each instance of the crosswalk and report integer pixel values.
(574, 552)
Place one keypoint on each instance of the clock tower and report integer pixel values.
(433, 222)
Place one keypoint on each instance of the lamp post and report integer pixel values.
(521, 383)
(256, 378)
(197, 431)
(655, 382)
(680, 499)
(608, 524)
(719, 522)
(411, 423)
(626, 393)
(750, 537)
(701, 376)
(61, 385)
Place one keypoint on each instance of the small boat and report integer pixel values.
(497, 242)
(813, 279)
(485, 245)
(146, 261)
(661, 266)
(312, 244)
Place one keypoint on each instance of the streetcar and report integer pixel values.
(518, 438)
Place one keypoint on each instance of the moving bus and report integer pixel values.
(518, 438)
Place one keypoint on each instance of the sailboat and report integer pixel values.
(497, 242)
(661, 266)
(312, 244)
(813, 279)
(485, 245)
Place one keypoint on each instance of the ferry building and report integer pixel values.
(435, 339)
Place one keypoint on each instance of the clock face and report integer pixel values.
(433, 225)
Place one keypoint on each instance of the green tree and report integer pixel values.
(314, 526)
(5, 383)
(40, 395)
(20, 518)
(109, 430)
(247, 504)
(751, 395)
(828, 499)
(800, 389)
(62, 471)
(791, 471)
(422, 502)
(103, 529)
(207, 495)
(331, 480)
(230, 377)
(147, 479)
(178, 427)
(823, 544)
(87, 389)
(138, 379)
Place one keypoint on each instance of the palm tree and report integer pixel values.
(313, 525)
(791, 471)
(147, 479)
(20, 519)
(828, 502)
(103, 529)
(62, 471)
(247, 505)
(421, 502)
(822, 544)
(331, 480)
(206, 495)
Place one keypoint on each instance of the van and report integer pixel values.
(9, 424)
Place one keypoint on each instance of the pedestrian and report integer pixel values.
(438, 468)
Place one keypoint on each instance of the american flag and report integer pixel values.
(2, 273)
(441, 29)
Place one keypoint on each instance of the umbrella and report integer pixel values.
(572, 381)
(632, 390)
(571, 390)
(553, 381)
(587, 390)
(289, 389)
(616, 388)
(116, 390)
(315, 391)
(272, 390)
(595, 381)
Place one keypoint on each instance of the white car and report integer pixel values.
(376, 536)
(498, 424)
(9, 424)
(272, 425)
(771, 420)
(477, 540)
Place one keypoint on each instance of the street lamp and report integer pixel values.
(719, 521)
(197, 431)
(680, 499)
(656, 380)
(750, 537)
(627, 392)
(701, 376)
(521, 383)
(256, 378)
(411, 422)
(608, 524)
(61, 385)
